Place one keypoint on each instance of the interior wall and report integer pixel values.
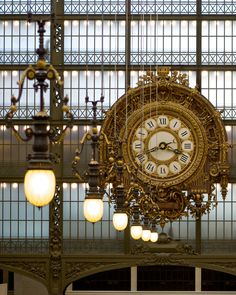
(26, 286)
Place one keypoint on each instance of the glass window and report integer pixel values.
(163, 42)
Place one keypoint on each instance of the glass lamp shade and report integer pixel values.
(146, 234)
(120, 221)
(136, 231)
(154, 237)
(39, 186)
(93, 209)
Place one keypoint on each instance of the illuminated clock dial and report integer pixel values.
(163, 146)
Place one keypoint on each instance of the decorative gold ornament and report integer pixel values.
(174, 147)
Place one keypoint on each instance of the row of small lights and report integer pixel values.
(119, 222)
(133, 23)
(120, 73)
(86, 128)
(74, 128)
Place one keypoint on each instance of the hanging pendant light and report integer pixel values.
(120, 218)
(93, 203)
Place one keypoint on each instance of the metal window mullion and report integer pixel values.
(10, 219)
(78, 215)
(127, 43)
(70, 222)
(3, 205)
(198, 34)
(35, 105)
(71, 35)
(216, 221)
(232, 202)
(163, 41)
(146, 51)
(26, 217)
(34, 222)
(41, 225)
(18, 212)
(110, 52)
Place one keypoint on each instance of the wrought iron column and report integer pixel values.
(56, 208)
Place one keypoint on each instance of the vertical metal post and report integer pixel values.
(56, 208)
(127, 85)
(198, 82)
(199, 44)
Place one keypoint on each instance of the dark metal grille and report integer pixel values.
(163, 7)
(137, 7)
(218, 7)
(21, 224)
(163, 42)
(23, 7)
(94, 7)
(18, 41)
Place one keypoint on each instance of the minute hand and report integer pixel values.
(176, 151)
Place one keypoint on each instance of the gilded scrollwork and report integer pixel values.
(168, 94)
(35, 268)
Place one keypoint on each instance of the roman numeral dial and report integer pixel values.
(162, 146)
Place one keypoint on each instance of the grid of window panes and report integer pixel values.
(25, 6)
(20, 221)
(99, 60)
(181, 229)
(76, 227)
(29, 102)
(18, 41)
(94, 42)
(94, 84)
(71, 144)
(220, 223)
(12, 152)
(218, 42)
(219, 87)
(163, 42)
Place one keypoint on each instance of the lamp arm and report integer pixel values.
(103, 136)
(28, 73)
(28, 133)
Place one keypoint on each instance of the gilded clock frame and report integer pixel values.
(169, 109)
(170, 93)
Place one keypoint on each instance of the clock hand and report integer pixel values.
(164, 145)
(173, 141)
(176, 151)
(155, 148)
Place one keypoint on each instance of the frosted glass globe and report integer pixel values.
(120, 221)
(154, 237)
(93, 209)
(146, 234)
(39, 186)
(136, 231)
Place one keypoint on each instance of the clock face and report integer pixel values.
(163, 146)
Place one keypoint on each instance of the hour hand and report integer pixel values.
(153, 149)
(176, 151)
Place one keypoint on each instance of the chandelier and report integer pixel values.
(40, 180)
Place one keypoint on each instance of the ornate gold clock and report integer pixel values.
(174, 146)
(165, 144)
